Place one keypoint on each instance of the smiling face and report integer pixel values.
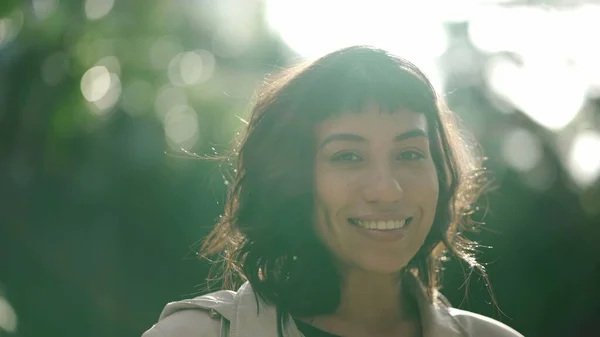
(376, 188)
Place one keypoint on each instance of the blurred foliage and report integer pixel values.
(101, 212)
(7, 6)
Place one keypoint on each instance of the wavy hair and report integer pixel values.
(265, 235)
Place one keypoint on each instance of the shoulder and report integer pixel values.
(199, 317)
(479, 325)
(185, 323)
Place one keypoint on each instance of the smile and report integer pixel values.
(381, 225)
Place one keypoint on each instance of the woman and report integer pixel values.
(352, 181)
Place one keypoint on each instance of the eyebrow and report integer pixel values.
(351, 137)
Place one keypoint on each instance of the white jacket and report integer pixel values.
(234, 314)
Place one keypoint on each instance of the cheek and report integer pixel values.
(332, 190)
(431, 188)
(422, 187)
(324, 225)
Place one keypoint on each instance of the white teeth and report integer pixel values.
(389, 224)
(381, 225)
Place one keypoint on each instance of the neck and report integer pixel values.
(374, 301)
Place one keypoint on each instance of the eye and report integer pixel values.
(410, 155)
(346, 157)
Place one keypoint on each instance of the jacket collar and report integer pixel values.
(250, 316)
(248, 322)
(436, 320)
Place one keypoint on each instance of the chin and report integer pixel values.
(387, 266)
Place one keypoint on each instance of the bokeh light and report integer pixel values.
(95, 83)
(8, 317)
(97, 9)
(549, 92)
(42, 9)
(554, 72)
(584, 157)
(10, 26)
(106, 102)
(101, 87)
(522, 150)
(490, 33)
(189, 68)
(181, 127)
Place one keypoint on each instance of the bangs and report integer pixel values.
(352, 87)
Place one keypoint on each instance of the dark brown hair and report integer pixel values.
(266, 236)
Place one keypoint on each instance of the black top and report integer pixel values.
(310, 331)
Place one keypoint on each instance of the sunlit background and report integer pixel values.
(102, 102)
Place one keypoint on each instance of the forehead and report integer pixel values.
(373, 121)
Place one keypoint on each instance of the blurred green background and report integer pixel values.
(101, 209)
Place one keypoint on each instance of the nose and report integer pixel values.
(382, 187)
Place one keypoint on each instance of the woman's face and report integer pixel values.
(376, 188)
